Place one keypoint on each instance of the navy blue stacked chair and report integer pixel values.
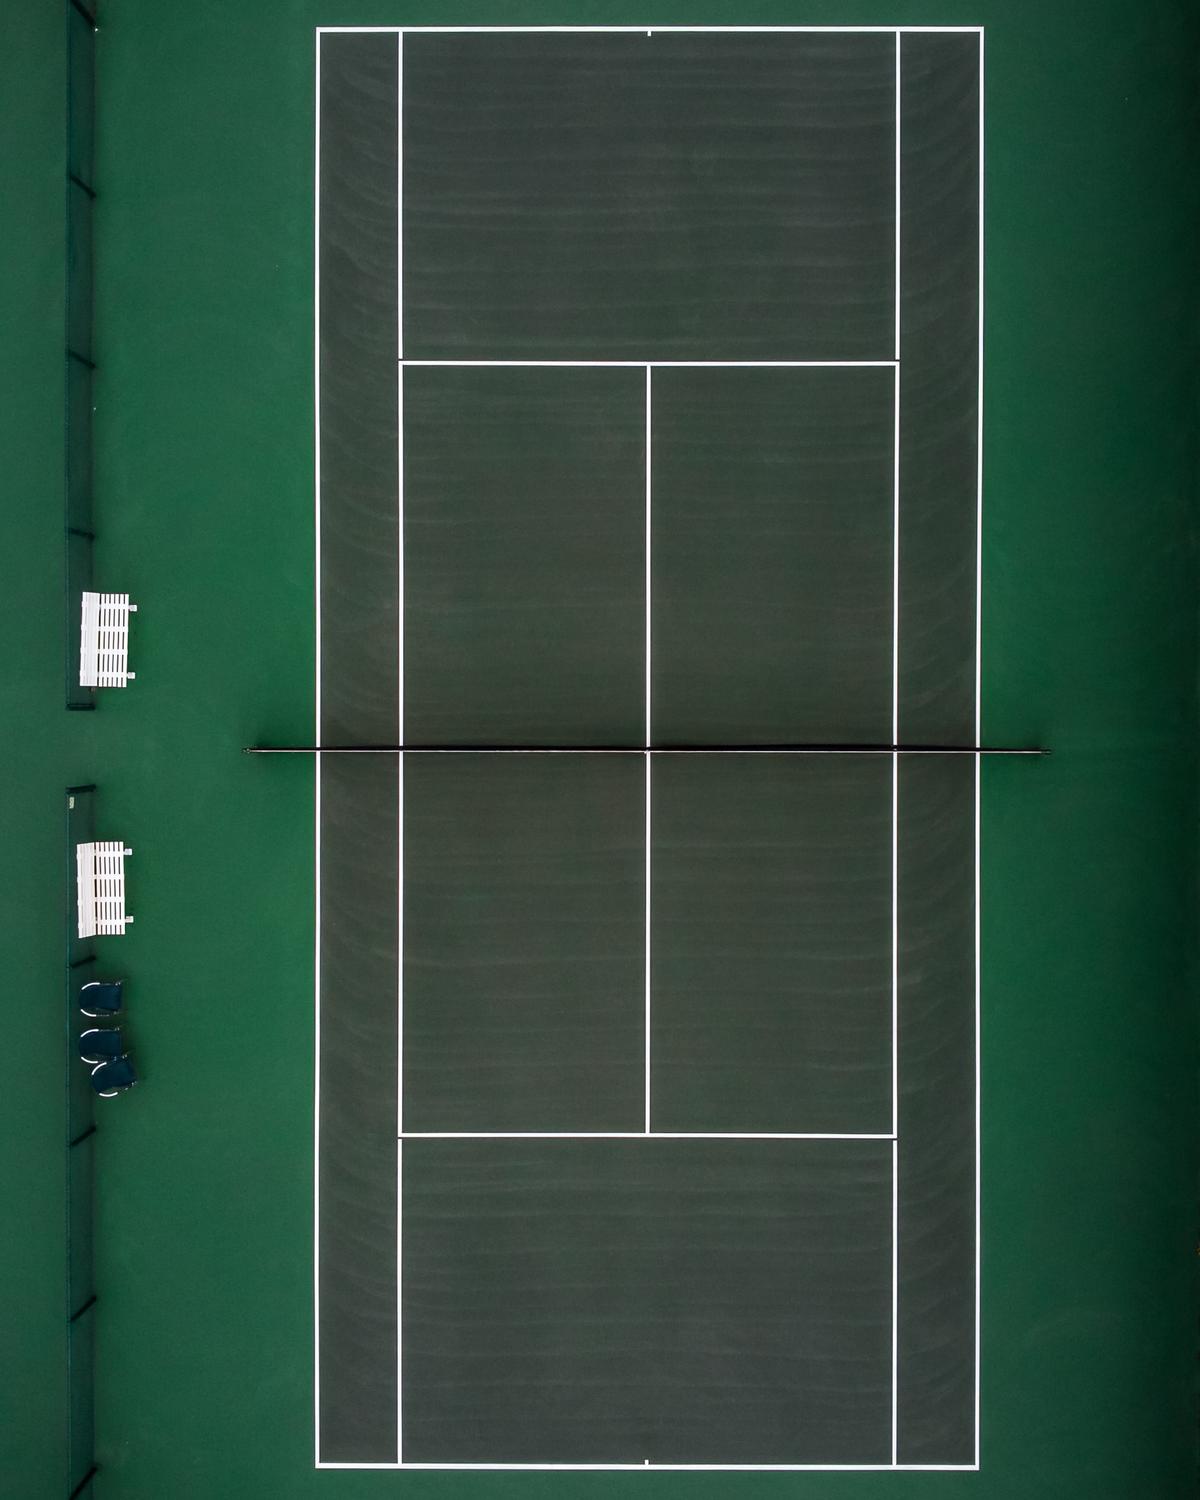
(100, 997)
(101, 1044)
(112, 1078)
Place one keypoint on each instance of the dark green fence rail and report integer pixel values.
(81, 365)
(80, 1128)
(80, 1151)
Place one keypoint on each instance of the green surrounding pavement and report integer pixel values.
(204, 504)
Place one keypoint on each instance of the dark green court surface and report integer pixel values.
(642, 491)
(772, 558)
(631, 196)
(771, 944)
(524, 902)
(682, 1302)
(524, 556)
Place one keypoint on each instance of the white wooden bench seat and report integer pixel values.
(100, 888)
(104, 640)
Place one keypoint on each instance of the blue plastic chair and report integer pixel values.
(112, 1078)
(100, 997)
(101, 1044)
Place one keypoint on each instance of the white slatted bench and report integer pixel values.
(100, 888)
(104, 640)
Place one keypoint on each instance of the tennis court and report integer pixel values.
(648, 415)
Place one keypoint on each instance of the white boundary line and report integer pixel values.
(896, 792)
(647, 758)
(895, 1302)
(400, 373)
(639, 1135)
(896, 287)
(399, 741)
(317, 759)
(501, 30)
(685, 1468)
(653, 364)
(978, 776)
(399, 1092)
